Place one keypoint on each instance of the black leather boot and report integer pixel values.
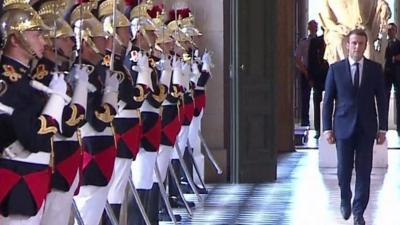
(116, 209)
(153, 206)
(134, 215)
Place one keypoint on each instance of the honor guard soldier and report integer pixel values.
(170, 121)
(181, 78)
(148, 76)
(201, 73)
(97, 133)
(67, 150)
(127, 121)
(27, 121)
(201, 70)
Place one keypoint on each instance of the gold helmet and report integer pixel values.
(162, 32)
(180, 20)
(141, 15)
(175, 27)
(87, 26)
(52, 15)
(18, 16)
(188, 26)
(106, 15)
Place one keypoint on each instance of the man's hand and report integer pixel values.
(330, 137)
(380, 138)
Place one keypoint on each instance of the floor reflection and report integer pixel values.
(304, 194)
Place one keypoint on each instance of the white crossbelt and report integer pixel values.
(17, 152)
(59, 137)
(146, 107)
(128, 113)
(88, 131)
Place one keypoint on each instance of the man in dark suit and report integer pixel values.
(318, 68)
(392, 69)
(353, 88)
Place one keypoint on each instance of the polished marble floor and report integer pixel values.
(392, 136)
(303, 194)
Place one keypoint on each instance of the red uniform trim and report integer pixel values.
(104, 159)
(8, 180)
(171, 130)
(39, 185)
(131, 138)
(153, 135)
(200, 103)
(69, 167)
(189, 111)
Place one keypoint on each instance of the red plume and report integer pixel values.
(156, 9)
(131, 3)
(180, 12)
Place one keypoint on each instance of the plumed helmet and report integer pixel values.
(140, 13)
(86, 26)
(188, 26)
(107, 18)
(52, 14)
(18, 17)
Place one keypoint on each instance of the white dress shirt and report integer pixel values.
(353, 69)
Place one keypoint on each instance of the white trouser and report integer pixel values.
(163, 160)
(91, 201)
(22, 220)
(195, 143)
(119, 180)
(142, 169)
(181, 141)
(58, 205)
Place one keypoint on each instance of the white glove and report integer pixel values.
(207, 63)
(186, 75)
(81, 78)
(144, 71)
(195, 73)
(110, 95)
(111, 82)
(55, 105)
(177, 75)
(58, 84)
(81, 73)
(166, 72)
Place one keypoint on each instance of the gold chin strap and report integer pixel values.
(93, 46)
(118, 39)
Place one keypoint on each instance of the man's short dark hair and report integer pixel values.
(358, 32)
(392, 24)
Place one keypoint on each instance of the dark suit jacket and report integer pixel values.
(317, 66)
(392, 49)
(352, 106)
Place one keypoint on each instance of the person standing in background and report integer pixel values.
(302, 59)
(317, 69)
(392, 69)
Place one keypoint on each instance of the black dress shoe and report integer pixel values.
(187, 189)
(177, 202)
(345, 209)
(359, 220)
(164, 216)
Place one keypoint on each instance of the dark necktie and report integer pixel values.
(356, 76)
